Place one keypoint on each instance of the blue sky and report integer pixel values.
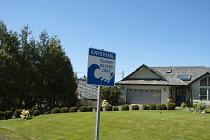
(151, 32)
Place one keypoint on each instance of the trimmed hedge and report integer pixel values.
(207, 110)
(18, 113)
(101, 108)
(30, 112)
(125, 107)
(108, 108)
(64, 110)
(183, 104)
(89, 109)
(135, 107)
(161, 107)
(73, 109)
(152, 107)
(8, 114)
(36, 113)
(46, 113)
(1, 115)
(83, 109)
(145, 107)
(56, 110)
(171, 106)
(115, 108)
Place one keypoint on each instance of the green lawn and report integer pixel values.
(120, 125)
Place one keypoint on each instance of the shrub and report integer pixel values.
(30, 112)
(125, 107)
(46, 113)
(89, 108)
(8, 114)
(101, 108)
(25, 114)
(135, 107)
(115, 108)
(207, 111)
(171, 106)
(1, 115)
(18, 113)
(82, 109)
(183, 104)
(145, 107)
(108, 108)
(201, 106)
(64, 110)
(161, 107)
(152, 107)
(36, 113)
(73, 109)
(105, 103)
(56, 110)
(195, 105)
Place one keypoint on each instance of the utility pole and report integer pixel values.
(122, 74)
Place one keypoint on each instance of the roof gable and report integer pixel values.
(200, 77)
(144, 73)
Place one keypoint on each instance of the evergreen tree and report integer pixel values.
(33, 71)
(59, 83)
(9, 53)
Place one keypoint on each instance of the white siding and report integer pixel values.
(196, 92)
(144, 73)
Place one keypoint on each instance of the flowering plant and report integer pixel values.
(25, 114)
(105, 103)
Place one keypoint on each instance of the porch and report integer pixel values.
(179, 94)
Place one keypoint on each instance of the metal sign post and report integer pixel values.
(98, 113)
(101, 72)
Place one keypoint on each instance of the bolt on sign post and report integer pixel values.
(101, 72)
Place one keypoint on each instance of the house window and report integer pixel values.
(185, 77)
(209, 81)
(169, 71)
(203, 94)
(205, 89)
(203, 82)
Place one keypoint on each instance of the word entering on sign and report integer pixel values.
(102, 54)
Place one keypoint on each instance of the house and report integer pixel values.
(190, 84)
(87, 94)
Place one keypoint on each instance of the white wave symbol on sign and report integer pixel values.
(105, 76)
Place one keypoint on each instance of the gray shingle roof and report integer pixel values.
(168, 78)
(87, 91)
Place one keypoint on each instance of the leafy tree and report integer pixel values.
(111, 94)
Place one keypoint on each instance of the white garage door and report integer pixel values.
(143, 96)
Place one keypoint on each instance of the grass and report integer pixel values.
(118, 125)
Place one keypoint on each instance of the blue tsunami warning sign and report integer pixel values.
(101, 67)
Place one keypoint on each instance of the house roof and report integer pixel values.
(85, 90)
(168, 78)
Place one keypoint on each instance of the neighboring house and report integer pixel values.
(87, 93)
(160, 84)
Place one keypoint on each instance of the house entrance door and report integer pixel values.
(180, 96)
